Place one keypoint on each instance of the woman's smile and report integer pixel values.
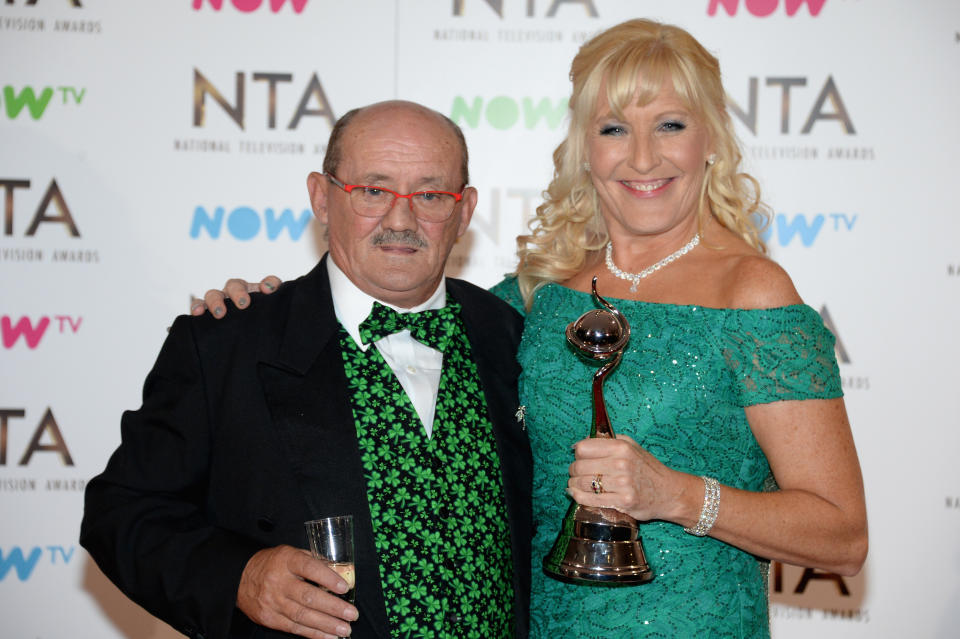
(647, 188)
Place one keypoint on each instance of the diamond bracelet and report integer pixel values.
(711, 507)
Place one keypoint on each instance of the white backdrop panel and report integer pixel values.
(846, 111)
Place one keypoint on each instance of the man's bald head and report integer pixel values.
(386, 110)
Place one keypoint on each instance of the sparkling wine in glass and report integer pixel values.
(331, 541)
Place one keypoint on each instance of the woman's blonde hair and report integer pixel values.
(631, 61)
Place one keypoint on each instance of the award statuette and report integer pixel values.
(600, 546)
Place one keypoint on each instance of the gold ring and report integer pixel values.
(597, 484)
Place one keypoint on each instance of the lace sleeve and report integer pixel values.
(509, 291)
(781, 354)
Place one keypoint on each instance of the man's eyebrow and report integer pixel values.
(370, 178)
(435, 181)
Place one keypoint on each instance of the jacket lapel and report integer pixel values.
(306, 392)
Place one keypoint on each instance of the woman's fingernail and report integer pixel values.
(242, 302)
(269, 286)
(218, 311)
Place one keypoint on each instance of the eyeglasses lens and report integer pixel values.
(430, 206)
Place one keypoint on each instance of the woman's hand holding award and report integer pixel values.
(599, 546)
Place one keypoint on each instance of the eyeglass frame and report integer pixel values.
(347, 188)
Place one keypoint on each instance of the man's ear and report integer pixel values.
(317, 186)
(467, 205)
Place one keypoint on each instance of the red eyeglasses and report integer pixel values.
(375, 201)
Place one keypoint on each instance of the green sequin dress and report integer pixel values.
(679, 391)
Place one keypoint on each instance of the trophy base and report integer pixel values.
(598, 546)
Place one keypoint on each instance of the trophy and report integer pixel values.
(600, 546)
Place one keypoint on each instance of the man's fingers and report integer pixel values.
(313, 591)
(316, 608)
(301, 621)
(268, 284)
(214, 301)
(238, 290)
(310, 569)
(273, 593)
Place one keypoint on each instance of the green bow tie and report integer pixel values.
(435, 328)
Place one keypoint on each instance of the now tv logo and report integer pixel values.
(249, 6)
(246, 223)
(33, 331)
(806, 228)
(36, 102)
(503, 112)
(23, 564)
(764, 8)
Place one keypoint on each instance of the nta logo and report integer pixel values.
(23, 564)
(33, 332)
(51, 196)
(828, 93)
(249, 6)
(764, 8)
(47, 426)
(245, 223)
(202, 87)
(503, 112)
(808, 575)
(497, 6)
(841, 351)
(14, 102)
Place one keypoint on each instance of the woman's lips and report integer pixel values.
(647, 187)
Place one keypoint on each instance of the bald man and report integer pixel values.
(374, 387)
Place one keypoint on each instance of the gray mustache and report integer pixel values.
(408, 237)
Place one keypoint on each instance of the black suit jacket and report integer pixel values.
(245, 432)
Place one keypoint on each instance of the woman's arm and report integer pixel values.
(816, 519)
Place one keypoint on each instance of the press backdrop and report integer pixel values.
(151, 149)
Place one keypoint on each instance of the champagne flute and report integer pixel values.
(331, 541)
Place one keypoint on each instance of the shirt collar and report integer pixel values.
(352, 306)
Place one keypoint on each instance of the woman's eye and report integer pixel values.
(673, 125)
(612, 129)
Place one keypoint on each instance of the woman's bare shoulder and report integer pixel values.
(756, 281)
(746, 278)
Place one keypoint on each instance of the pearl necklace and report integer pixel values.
(636, 277)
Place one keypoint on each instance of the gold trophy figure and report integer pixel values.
(600, 546)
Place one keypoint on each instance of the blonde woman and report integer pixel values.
(729, 381)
